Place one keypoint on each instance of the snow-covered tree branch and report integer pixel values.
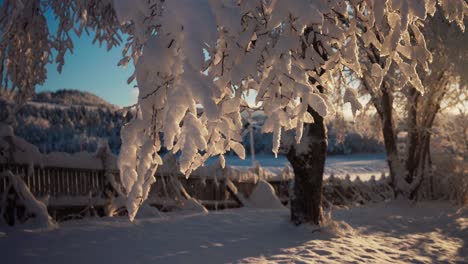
(28, 44)
(195, 60)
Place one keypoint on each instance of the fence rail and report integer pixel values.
(72, 189)
(56, 181)
(76, 184)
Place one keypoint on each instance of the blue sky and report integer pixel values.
(92, 68)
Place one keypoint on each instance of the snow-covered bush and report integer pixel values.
(344, 192)
(448, 179)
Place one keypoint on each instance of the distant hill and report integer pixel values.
(73, 121)
(72, 98)
(68, 121)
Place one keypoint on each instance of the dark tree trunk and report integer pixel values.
(423, 162)
(384, 105)
(308, 158)
(308, 166)
(413, 140)
(431, 174)
(388, 131)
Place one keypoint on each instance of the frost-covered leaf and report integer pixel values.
(238, 149)
(307, 118)
(350, 97)
(318, 104)
(222, 161)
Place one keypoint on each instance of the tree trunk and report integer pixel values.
(308, 162)
(414, 165)
(388, 131)
(419, 161)
(413, 140)
(423, 161)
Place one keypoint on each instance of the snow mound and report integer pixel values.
(335, 227)
(147, 211)
(193, 205)
(39, 217)
(16, 149)
(264, 196)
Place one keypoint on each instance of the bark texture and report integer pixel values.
(416, 161)
(308, 166)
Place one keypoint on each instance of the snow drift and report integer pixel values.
(264, 196)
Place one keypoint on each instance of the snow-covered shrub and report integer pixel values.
(344, 192)
(448, 179)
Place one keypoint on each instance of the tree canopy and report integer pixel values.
(207, 54)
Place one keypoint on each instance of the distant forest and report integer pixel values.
(73, 121)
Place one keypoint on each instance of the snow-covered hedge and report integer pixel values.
(347, 192)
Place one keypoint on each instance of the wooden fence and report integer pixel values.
(70, 190)
(57, 182)
(78, 185)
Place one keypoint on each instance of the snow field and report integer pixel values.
(392, 232)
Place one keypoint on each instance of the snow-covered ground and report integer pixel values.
(393, 232)
(362, 165)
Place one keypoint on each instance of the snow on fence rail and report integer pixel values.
(66, 186)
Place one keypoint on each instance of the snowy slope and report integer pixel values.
(70, 97)
(68, 121)
(381, 233)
